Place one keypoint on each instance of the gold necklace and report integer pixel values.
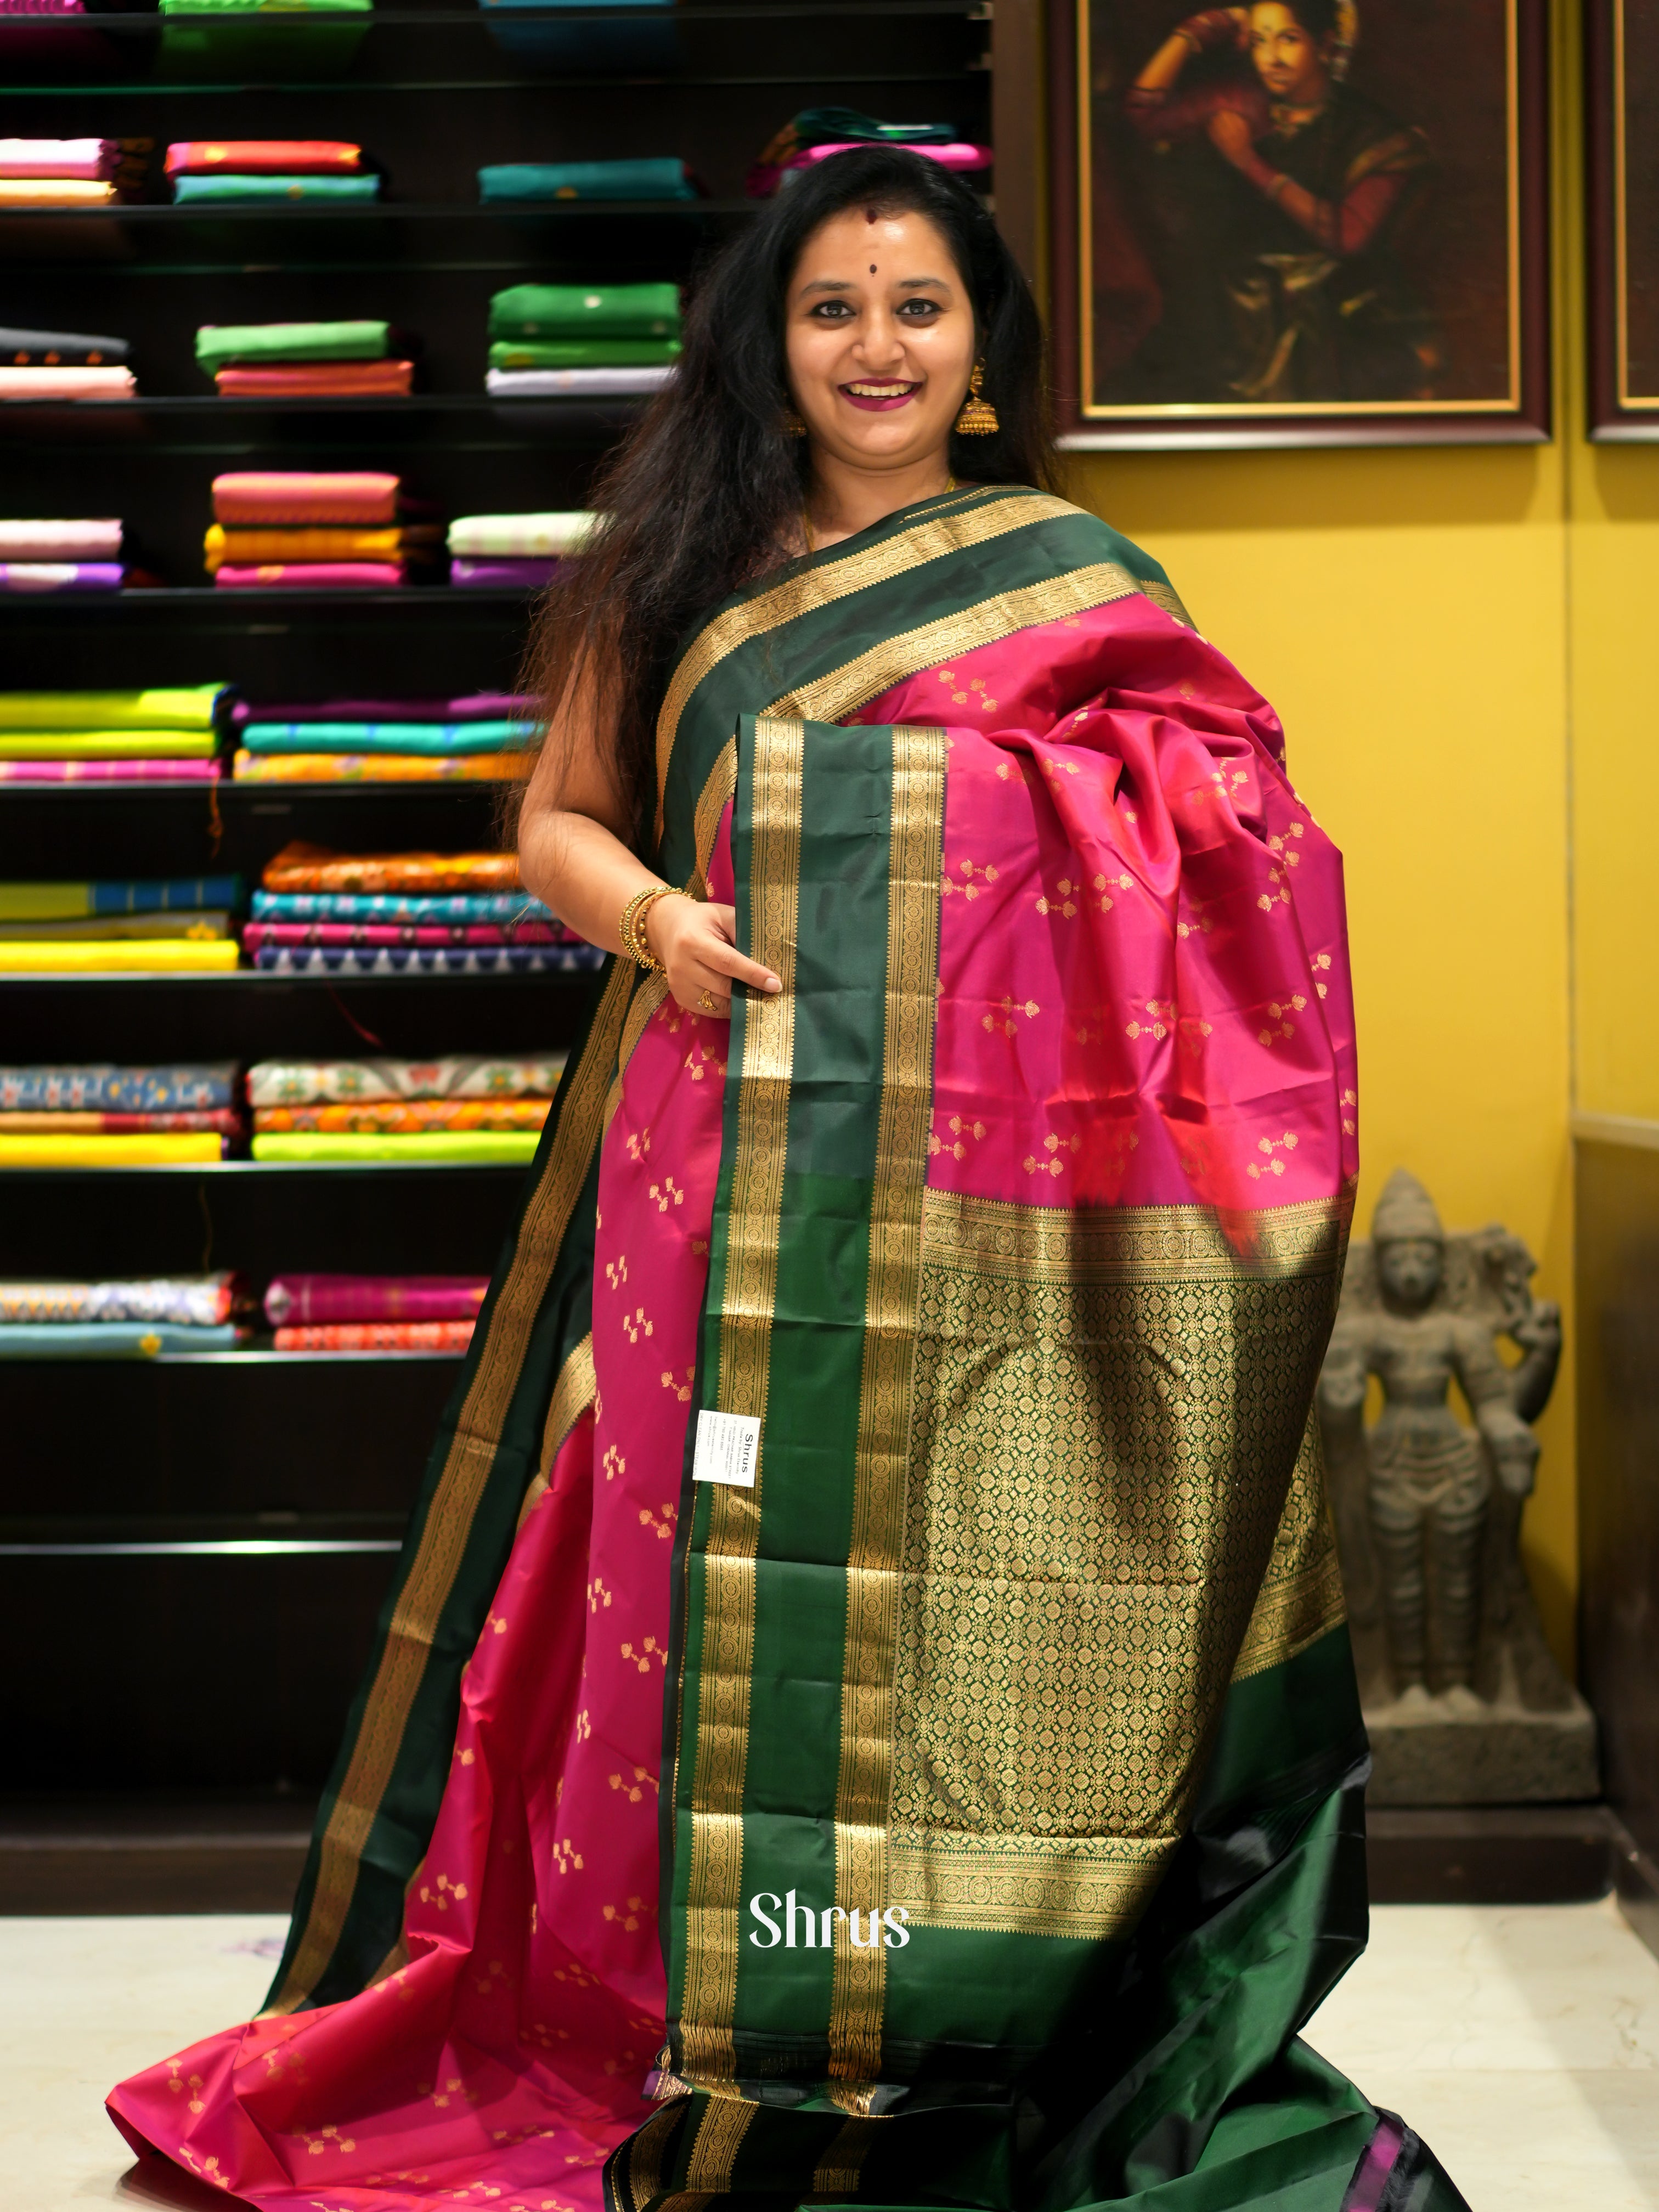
(950, 485)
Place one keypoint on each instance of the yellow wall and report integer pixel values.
(1454, 638)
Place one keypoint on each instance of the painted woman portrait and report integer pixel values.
(1264, 237)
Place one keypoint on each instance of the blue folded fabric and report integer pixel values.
(641, 43)
(659, 177)
(442, 906)
(188, 1087)
(108, 1339)
(387, 737)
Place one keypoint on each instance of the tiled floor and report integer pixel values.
(1522, 2042)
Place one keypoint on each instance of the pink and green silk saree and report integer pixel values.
(965, 1810)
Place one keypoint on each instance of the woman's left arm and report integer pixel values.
(1343, 226)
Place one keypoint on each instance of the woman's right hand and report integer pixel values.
(697, 944)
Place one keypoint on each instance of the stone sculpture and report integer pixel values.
(1464, 1700)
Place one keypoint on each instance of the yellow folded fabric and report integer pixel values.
(255, 547)
(170, 707)
(382, 768)
(54, 191)
(106, 744)
(107, 1152)
(104, 928)
(476, 1148)
(173, 954)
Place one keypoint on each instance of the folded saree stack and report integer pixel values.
(471, 1108)
(69, 173)
(174, 926)
(375, 1313)
(62, 364)
(103, 1116)
(487, 737)
(515, 552)
(255, 171)
(817, 132)
(323, 360)
(137, 1318)
(314, 530)
(60, 556)
(169, 734)
(421, 931)
(598, 341)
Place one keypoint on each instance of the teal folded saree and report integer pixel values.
(254, 191)
(659, 177)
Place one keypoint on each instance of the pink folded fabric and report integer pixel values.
(109, 771)
(305, 495)
(311, 576)
(292, 1298)
(330, 380)
(58, 540)
(67, 384)
(58, 157)
(957, 155)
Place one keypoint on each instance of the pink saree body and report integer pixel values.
(1142, 1001)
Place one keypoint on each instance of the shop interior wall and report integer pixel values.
(1454, 638)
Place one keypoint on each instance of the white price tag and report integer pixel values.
(728, 1449)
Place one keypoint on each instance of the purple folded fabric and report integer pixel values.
(61, 575)
(503, 575)
(110, 771)
(476, 707)
(310, 576)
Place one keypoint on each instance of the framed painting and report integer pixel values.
(1301, 221)
(1622, 84)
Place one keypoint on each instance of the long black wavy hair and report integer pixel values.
(704, 494)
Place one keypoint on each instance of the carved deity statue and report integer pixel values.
(1428, 1509)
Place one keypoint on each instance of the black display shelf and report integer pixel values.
(250, 1656)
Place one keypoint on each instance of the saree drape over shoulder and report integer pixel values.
(941, 1783)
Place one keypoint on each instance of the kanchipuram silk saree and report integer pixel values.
(865, 1715)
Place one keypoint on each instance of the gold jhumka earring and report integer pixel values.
(792, 424)
(978, 418)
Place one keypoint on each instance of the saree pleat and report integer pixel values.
(1008, 1825)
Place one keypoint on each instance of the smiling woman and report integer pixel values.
(865, 1716)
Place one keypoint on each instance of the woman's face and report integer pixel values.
(878, 338)
(1292, 68)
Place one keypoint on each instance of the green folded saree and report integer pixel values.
(253, 189)
(106, 744)
(583, 353)
(218, 344)
(476, 1148)
(185, 708)
(585, 311)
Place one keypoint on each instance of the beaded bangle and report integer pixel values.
(631, 928)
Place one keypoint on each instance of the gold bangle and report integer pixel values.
(630, 930)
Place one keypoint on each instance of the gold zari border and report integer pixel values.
(448, 1523)
(1029, 1885)
(1134, 1244)
(709, 2001)
(890, 1349)
(573, 1393)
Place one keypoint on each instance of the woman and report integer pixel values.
(1294, 249)
(886, 1435)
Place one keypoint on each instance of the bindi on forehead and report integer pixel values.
(872, 267)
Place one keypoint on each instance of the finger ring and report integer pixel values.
(708, 1002)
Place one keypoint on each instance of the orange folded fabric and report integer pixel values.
(406, 1117)
(377, 1336)
(264, 157)
(265, 495)
(301, 867)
